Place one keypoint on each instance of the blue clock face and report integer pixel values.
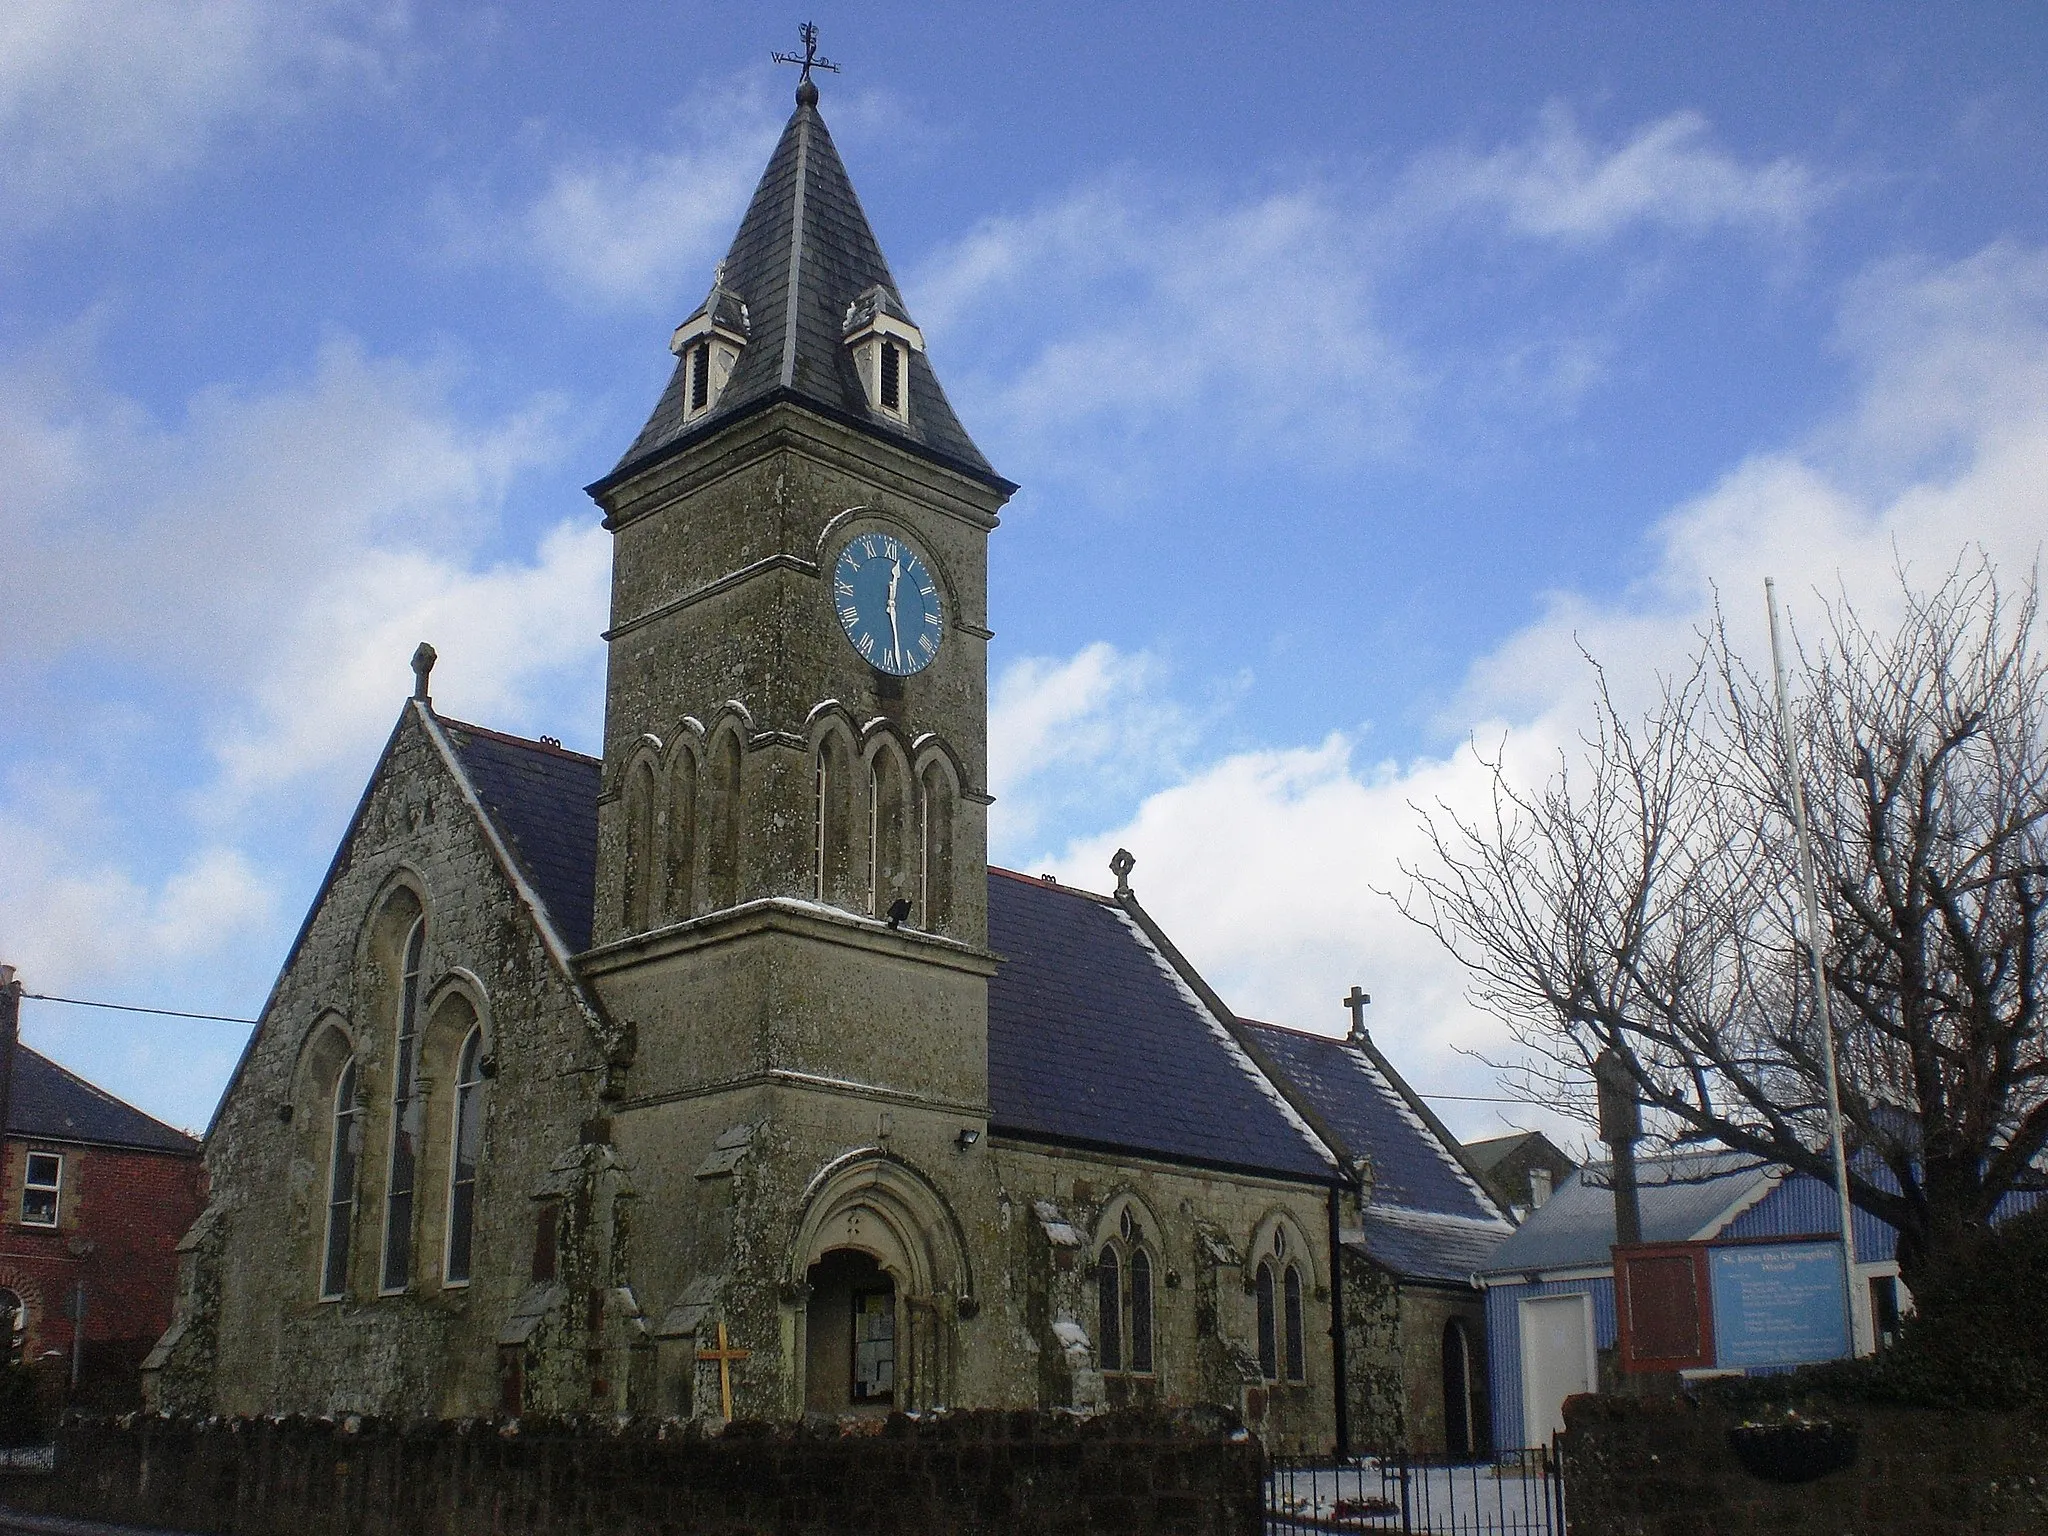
(888, 603)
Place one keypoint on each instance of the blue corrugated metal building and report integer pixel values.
(1541, 1347)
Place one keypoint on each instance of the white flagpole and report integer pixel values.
(1811, 895)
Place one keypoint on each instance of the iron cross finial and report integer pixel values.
(809, 58)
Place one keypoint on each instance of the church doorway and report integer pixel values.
(849, 1334)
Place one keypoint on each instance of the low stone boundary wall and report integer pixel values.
(940, 1475)
(1666, 1468)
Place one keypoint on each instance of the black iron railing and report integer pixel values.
(1516, 1493)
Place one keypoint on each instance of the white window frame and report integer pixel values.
(476, 1087)
(55, 1191)
(405, 1035)
(340, 1125)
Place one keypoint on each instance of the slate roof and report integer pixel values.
(543, 800)
(1418, 1246)
(807, 231)
(1411, 1167)
(1092, 1038)
(51, 1103)
(1428, 1219)
(1681, 1196)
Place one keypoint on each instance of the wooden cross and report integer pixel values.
(725, 1355)
(1356, 1000)
(809, 57)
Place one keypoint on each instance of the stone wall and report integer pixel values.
(1665, 1468)
(987, 1472)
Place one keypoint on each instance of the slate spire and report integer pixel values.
(803, 256)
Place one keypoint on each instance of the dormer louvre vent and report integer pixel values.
(700, 376)
(880, 334)
(709, 344)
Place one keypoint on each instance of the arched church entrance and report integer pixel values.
(849, 1334)
(879, 1280)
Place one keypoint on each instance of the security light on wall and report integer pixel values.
(968, 1137)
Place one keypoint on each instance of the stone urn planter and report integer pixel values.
(1794, 1449)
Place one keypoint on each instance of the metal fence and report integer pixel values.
(1518, 1493)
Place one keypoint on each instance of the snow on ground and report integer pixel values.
(1479, 1500)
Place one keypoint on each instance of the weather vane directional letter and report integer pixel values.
(809, 58)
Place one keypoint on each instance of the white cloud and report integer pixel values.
(1274, 319)
(244, 586)
(513, 636)
(642, 227)
(71, 912)
(1267, 865)
(1087, 731)
(1256, 315)
(1560, 185)
(99, 100)
(186, 546)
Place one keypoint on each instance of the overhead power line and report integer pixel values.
(169, 1013)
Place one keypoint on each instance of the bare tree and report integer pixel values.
(1646, 899)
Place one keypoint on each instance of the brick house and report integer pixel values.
(94, 1195)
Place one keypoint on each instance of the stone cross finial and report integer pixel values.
(1121, 864)
(422, 668)
(1356, 1000)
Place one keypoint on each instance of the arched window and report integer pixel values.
(1458, 1437)
(680, 875)
(1269, 1350)
(1292, 1288)
(345, 1146)
(13, 1326)
(832, 817)
(1109, 1311)
(722, 856)
(1141, 1312)
(640, 856)
(887, 880)
(936, 802)
(463, 1158)
(405, 1118)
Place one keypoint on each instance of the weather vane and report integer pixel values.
(809, 57)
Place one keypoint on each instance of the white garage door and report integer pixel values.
(1557, 1360)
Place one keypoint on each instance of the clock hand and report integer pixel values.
(895, 639)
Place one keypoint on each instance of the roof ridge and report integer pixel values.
(1044, 882)
(1295, 1029)
(97, 1091)
(541, 744)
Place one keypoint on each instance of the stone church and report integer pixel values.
(721, 1077)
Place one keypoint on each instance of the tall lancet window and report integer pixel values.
(462, 1163)
(641, 857)
(886, 811)
(345, 1146)
(405, 1119)
(936, 797)
(1109, 1311)
(822, 822)
(832, 874)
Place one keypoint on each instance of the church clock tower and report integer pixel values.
(792, 853)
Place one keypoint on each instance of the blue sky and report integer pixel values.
(1358, 363)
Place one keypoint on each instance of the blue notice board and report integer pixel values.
(1778, 1303)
